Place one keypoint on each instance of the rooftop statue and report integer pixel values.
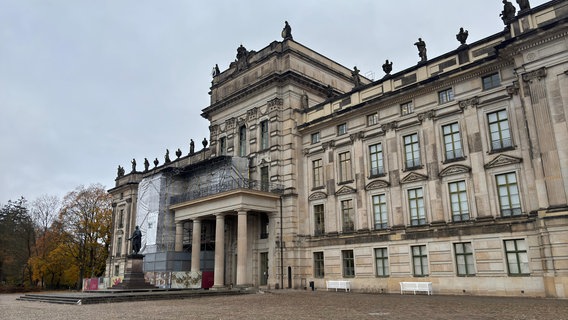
(215, 71)
(508, 12)
(167, 156)
(156, 162)
(421, 45)
(133, 165)
(191, 146)
(287, 31)
(387, 67)
(356, 77)
(146, 164)
(120, 171)
(204, 142)
(178, 153)
(462, 36)
(524, 5)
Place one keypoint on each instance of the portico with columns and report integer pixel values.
(236, 217)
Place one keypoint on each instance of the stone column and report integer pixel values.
(219, 277)
(242, 251)
(179, 236)
(196, 247)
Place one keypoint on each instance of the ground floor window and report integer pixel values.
(318, 265)
(517, 257)
(348, 263)
(464, 259)
(420, 261)
(382, 262)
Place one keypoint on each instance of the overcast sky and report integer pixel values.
(87, 85)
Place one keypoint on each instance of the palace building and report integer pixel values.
(453, 171)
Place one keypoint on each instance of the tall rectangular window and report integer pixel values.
(317, 172)
(517, 257)
(382, 262)
(348, 215)
(445, 96)
(420, 261)
(380, 211)
(452, 142)
(416, 207)
(318, 265)
(242, 141)
(458, 201)
(116, 270)
(223, 146)
(406, 108)
(464, 259)
(342, 129)
(264, 179)
(319, 220)
(119, 246)
(499, 130)
(121, 218)
(264, 226)
(345, 174)
(491, 81)
(372, 119)
(376, 159)
(508, 191)
(348, 263)
(315, 137)
(264, 135)
(411, 151)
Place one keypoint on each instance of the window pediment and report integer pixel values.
(345, 190)
(317, 196)
(502, 160)
(377, 184)
(454, 169)
(413, 177)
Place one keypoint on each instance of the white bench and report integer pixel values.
(338, 284)
(416, 286)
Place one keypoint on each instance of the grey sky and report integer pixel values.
(86, 86)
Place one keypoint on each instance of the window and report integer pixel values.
(119, 246)
(315, 137)
(223, 146)
(499, 130)
(348, 215)
(264, 226)
(412, 151)
(452, 142)
(406, 108)
(376, 159)
(445, 96)
(264, 135)
(319, 220)
(264, 179)
(348, 263)
(242, 141)
(458, 201)
(116, 270)
(380, 211)
(318, 265)
(317, 171)
(464, 259)
(341, 129)
(491, 81)
(382, 262)
(372, 119)
(508, 191)
(121, 218)
(517, 258)
(345, 174)
(420, 261)
(416, 207)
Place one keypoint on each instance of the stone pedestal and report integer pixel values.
(134, 276)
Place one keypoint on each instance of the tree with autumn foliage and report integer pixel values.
(85, 219)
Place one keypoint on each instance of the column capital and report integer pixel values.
(536, 74)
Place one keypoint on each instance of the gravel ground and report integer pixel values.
(293, 304)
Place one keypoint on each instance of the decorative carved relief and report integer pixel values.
(377, 184)
(536, 74)
(327, 145)
(413, 177)
(252, 114)
(214, 129)
(472, 102)
(275, 102)
(502, 160)
(426, 115)
(357, 135)
(389, 126)
(317, 196)
(513, 90)
(345, 190)
(306, 151)
(454, 169)
(230, 124)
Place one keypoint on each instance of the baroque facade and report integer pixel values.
(453, 171)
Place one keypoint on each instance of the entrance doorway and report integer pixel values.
(263, 268)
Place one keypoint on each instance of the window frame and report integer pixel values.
(319, 219)
(412, 157)
(315, 137)
(345, 167)
(496, 128)
(463, 252)
(264, 178)
(376, 160)
(382, 260)
(319, 265)
(504, 208)
(264, 135)
(416, 214)
(522, 265)
(242, 141)
(491, 83)
(446, 95)
(348, 263)
(223, 146)
(422, 257)
(342, 129)
(372, 119)
(317, 173)
(347, 207)
(458, 215)
(380, 210)
(406, 108)
(450, 140)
